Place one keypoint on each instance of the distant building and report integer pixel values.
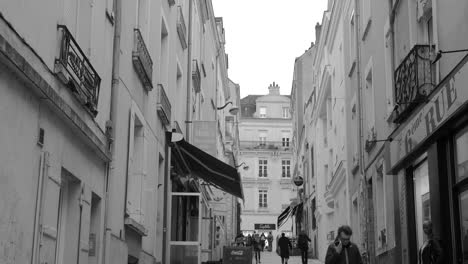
(265, 132)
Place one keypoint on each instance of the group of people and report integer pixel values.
(342, 250)
(257, 242)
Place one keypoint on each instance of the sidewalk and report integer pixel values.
(272, 258)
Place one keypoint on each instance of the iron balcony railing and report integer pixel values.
(414, 81)
(181, 28)
(196, 76)
(76, 71)
(265, 145)
(163, 105)
(142, 60)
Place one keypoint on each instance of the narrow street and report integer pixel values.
(273, 258)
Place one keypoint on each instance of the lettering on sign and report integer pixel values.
(237, 253)
(450, 96)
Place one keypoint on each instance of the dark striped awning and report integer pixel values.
(283, 217)
(210, 169)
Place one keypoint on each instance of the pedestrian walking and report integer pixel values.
(303, 244)
(270, 241)
(431, 251)
(342, 251)
(240, 239)
(284, 245)
(262, 241)
(256, 247)
(249, 240)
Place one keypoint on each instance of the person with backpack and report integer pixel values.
(303, 244)
(256, 247)
(262, 241)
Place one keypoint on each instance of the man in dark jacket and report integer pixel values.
(342, 251)
(303, 244)
(284, 244)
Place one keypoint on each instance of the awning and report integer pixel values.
(288, 212)
(283, 217)
(208, 168)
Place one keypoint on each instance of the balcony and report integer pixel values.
(371, 140)
(142, 60)
(163, 105)
(265, 145)
(414, 81)
(171, 2)
(196, 76)
(74, 69)
(181, 28)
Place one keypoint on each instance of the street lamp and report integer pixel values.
(246, 167)
(176, 136)
(234, 109)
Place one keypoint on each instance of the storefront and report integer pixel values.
(429, 153)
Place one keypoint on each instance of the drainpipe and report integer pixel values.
(189, 77)
(111, 123)
(360, 130)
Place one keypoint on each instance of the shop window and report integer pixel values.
(462, 155)
(463, 203)
(421, 199)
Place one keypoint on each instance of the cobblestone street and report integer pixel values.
(272, 258)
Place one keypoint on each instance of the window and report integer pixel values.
(163, 54)
(421, 199)
(262, 168)
(262, 137)
(285, 142)
(366, 14)
(312, 173)
(314, 220)
(285, 112)
(263, 112)
(69, 215)
(462, 155)
(381, 234)
(262, 198)
(136, 167)
(143, 18)
(369, 101)
(286, 168)
(94, 229)
(352, 38)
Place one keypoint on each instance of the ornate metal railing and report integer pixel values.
(163, 105)
(142, 60)
(74, 68)
(181, 28)
(414, 81)
(266, 145)
(196, 76)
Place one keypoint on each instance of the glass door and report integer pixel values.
(185, 228)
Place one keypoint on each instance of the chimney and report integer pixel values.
(318, 31)
(274, 89)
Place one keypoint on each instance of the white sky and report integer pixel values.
(263, 38)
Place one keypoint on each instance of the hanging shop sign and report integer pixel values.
(298, 180)
(451, 94)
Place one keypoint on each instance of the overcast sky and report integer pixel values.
(263, 37)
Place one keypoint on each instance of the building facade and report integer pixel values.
(94, 94)
(265, 133)
(402, 66)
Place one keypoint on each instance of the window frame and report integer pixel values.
(262, 167)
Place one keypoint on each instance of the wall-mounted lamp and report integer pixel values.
(439, 54)
(234, 109)
(246, 167)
